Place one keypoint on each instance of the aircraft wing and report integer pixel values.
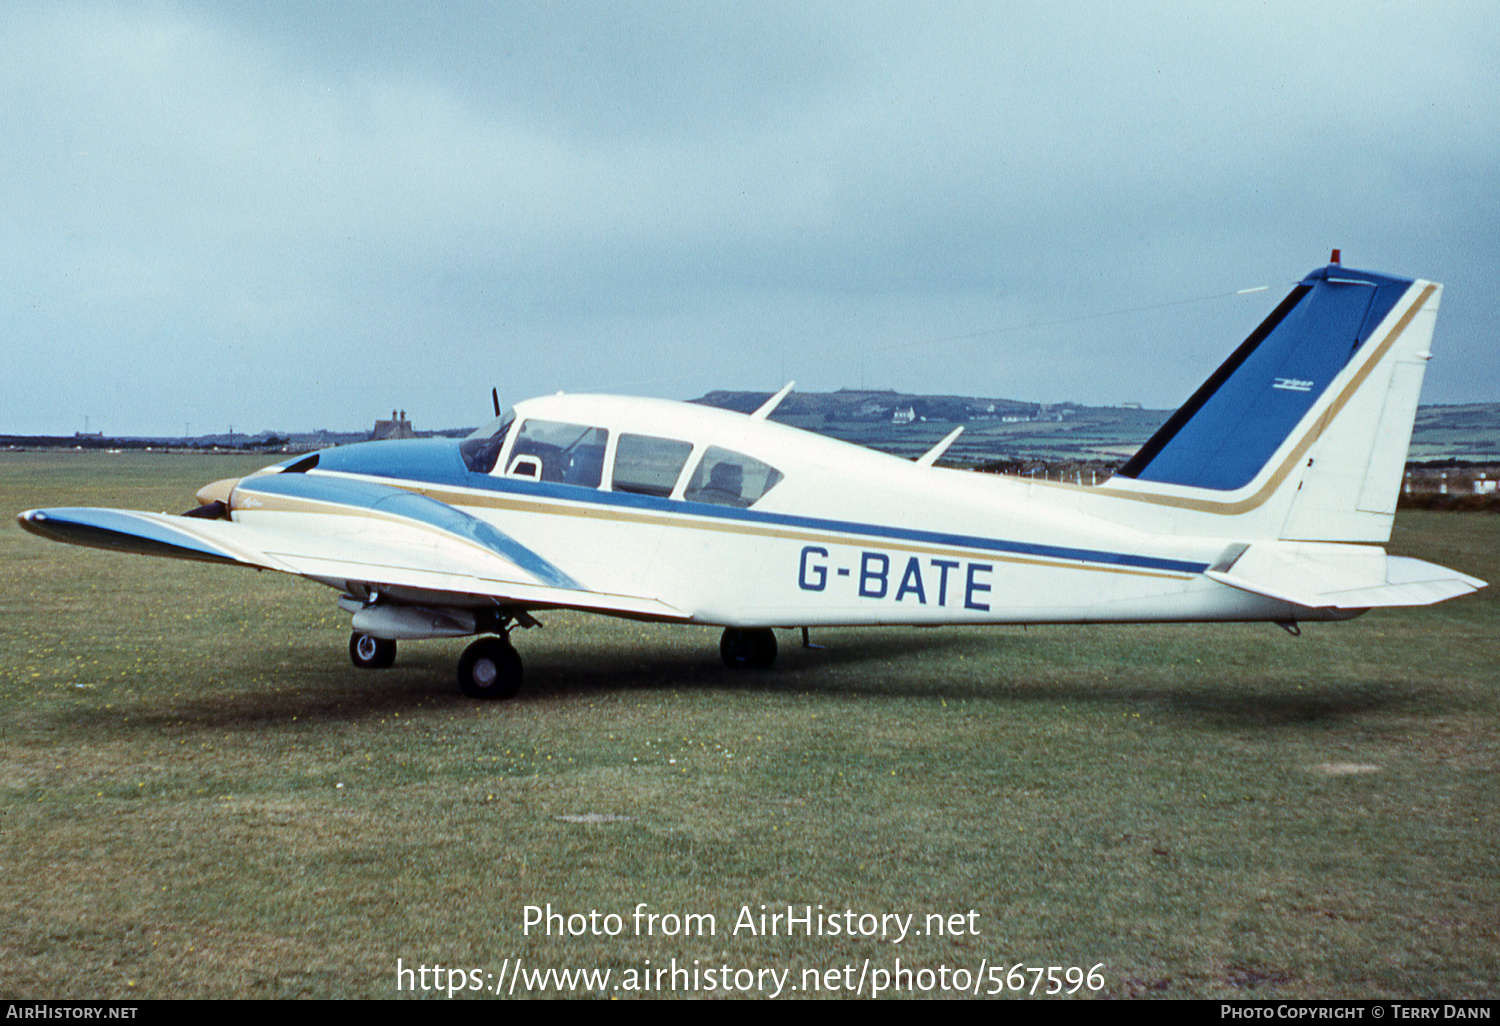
(378, 536)
(1330, 576)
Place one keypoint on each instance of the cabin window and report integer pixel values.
(649, 466)
(568, 453)
(481, 449)
(729, 478)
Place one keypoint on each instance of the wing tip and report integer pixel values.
(122, 531)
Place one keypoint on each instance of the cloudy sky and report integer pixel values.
(294, 216)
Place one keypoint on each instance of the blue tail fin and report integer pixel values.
(1241, 416)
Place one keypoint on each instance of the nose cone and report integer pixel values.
(217, 491)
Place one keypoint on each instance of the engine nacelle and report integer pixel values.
(414, 623)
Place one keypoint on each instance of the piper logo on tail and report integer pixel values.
(1292, 385)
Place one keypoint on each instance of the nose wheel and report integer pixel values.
(371, 653)
(490, 668)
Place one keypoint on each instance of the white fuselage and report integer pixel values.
(847, 536)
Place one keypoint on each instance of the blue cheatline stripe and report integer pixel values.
(441, 471)
(960, 540)
(397, 502)
(122, 530)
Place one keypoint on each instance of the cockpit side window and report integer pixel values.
(481, 449)
(568, 453)
(728, 478)
(649, 466)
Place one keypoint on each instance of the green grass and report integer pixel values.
(1217, 810)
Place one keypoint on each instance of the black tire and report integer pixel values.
(371, 653)
(748, 648)
(490, 668)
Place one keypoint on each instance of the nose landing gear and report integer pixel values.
(371, 653)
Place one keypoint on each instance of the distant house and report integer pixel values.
(397, 427)
(905, 416)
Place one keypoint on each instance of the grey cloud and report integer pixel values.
(313, 213)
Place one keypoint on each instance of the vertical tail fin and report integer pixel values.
(1302, 433)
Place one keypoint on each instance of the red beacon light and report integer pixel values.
(1335, 258)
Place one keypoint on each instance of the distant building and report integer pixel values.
(397, 427)
(905, 416)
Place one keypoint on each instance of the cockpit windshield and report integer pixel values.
(562, 452)
(482, 448)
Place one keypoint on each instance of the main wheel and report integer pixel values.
(748, 649)
(490, 668)
(371, 653)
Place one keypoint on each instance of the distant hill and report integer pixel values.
(1470, 431)
(996, 431)
(999, 430)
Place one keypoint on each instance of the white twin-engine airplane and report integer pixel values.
(1266, 497)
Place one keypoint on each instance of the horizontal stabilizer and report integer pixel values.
(1321, 576)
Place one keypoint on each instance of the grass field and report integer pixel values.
(201, 797)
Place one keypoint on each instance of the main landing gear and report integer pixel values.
(490, 668)
(748, 648)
